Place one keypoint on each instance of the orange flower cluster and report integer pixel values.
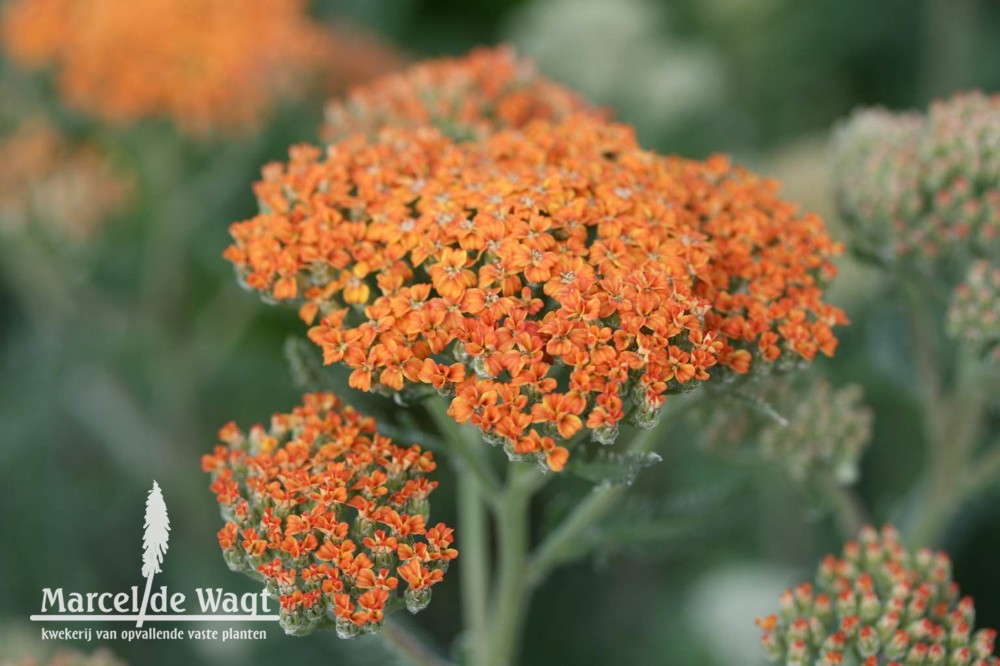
(467, 98)
(878, 605)
(552, 280)
(44, 179)
(331, 515)
(206, 65)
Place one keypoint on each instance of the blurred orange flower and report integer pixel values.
(209, 66)
(45, 179)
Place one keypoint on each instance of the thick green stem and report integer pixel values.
(562, 544)
(951, 422)
(511, 594)
(474, 565)
(518, 575)
(477, 486)
(926, 361)
(950, 464)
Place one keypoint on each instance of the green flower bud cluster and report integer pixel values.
(811, 428)
(974, 313)
(878, 605)
(924, 188)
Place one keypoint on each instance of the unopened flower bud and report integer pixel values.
(922, 188)
(866, 626)
(974, 312)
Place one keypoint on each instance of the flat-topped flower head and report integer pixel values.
(551, 281)
(209, 66)
(878, 605)
(331, 515)
(974, 313)
(67, 189)
(922, 188)
(466, 97)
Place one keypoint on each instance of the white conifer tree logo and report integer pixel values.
(154, 542)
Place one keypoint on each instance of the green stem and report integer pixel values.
(928, 365)
(562, 544)
(474, 564)
(405, 643)
(511, 595)
(477, 486)
(952, 421)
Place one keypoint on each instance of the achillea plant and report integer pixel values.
(472, 234)
(46, 180)
(878, 605)
(974, 312)
(209, 66)
(922, 188)
(549, 281)
(357, 56)
(331, 515)
(466, 97)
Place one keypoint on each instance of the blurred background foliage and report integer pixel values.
(122, 351)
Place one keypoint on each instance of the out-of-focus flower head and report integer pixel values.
(331, 515)
(974, 314)
(465, 97)
(550, 280)
(809, 427)
(358, 56)
(922, 187)
(878, 604)
(45, 179)
(209, 66)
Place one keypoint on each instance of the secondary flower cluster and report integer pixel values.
(551, 280)
(922, 186)
(878, 605)
(467, 97)
(68, 190)
(207, 65)
(974, 314)
(331, 515)
(809, 427)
